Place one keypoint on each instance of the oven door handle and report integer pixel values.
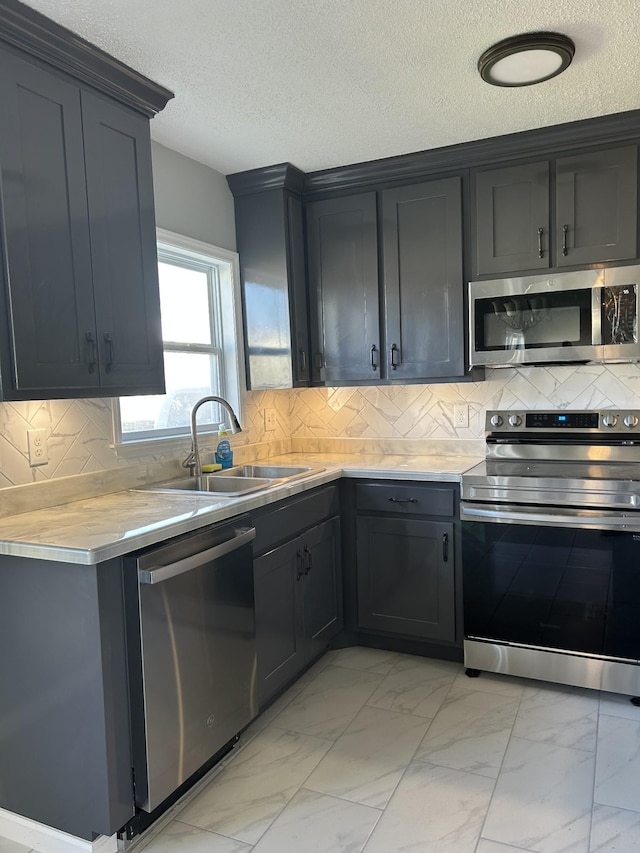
(560, 517)
(242, 536)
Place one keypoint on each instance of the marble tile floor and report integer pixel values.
(386, 753)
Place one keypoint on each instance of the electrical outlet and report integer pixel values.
(461, 415)
(37, 443)
(270, 420)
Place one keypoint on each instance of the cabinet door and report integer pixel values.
(322, 586)
(596, 207)
(48, 289)
(270, 238)
(512, 219)
(343, 287)
(123, 247)
(298, 304)
(406, 577)
(423, 284)
(279, 619)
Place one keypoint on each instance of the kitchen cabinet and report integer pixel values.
(297, 583)
(423, 281)
(597, 207)
(407, 565)
(342, 245)
(270, 239)
(419, 284)
(593, 211)
(79, 298)
(65, 753)
(512, 219)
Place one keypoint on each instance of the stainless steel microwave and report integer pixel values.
(586, 316)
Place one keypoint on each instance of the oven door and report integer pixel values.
(536, 319)
(552, 578)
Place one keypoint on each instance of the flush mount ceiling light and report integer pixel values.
(526, 59)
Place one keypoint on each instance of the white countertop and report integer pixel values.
(97, 529)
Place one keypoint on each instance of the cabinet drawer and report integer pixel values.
(413, 498)
(287, 520)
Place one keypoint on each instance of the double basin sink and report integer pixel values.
(237, 481)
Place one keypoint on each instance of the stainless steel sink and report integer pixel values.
(272, 472)
(238, 481)
(213, 484)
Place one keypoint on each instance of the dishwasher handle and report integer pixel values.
(242, 536)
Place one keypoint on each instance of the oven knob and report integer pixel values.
(630, 421)
(496, 420)
(609, 420)
(515, 420)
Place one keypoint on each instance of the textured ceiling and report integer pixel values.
(323, 83)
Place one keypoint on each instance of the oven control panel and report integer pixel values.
(603, 421)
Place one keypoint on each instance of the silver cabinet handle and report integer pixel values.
(372, 351)
(540, 249)
(242, 536)
(393, 352)
(93, 357)
(565, 231)
(445, 547)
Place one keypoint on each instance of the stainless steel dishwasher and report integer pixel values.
(192, 653)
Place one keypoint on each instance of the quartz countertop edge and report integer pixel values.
(91, 531)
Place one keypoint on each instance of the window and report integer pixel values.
(200, 307)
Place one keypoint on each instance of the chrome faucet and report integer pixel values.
(193, 459)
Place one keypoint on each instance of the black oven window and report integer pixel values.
(558, 588)
(534, 321)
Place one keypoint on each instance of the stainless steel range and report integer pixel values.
(551, 549)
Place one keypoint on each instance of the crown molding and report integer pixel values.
(29, 31)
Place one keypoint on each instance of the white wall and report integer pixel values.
(192, 199)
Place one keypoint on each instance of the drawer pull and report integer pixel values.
(404, 500)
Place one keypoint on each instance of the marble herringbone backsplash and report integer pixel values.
(426, 411)
(80, 432)
(80, 436)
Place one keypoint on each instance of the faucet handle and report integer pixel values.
(190, 463)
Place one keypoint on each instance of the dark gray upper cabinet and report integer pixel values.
(512, 219)
(270, 239)
(595, 216)
(79, 301)
(423, 282)
(48, 298)
(596, 207)
(123, 247)
(342, 249)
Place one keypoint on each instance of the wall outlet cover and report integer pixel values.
(37, 444)
(270, 420)
(461, 415)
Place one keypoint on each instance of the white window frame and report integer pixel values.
(230, 342)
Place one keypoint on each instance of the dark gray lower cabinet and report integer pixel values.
(298, 604)
(65, 754)
(406, 560)
(405, 577)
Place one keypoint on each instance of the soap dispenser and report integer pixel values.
(224, 453)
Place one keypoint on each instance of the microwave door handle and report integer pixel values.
(597, 300)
